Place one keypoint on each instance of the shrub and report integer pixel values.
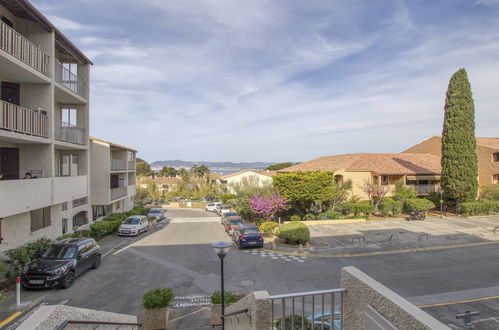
(21, 256)
(102, 228)
(323, 216)
(364, 208)
(295, 217)
(157, 298)
(229, 297)
(294, 322)
(268, 227)
(479, 207)
(419, 204)
(258, 222)
(76, 234)
(390, 206)
(490, 192)
(434, 197)
(333, 214)
(403, 193)
(294, 233)
(347, 208)
(309, 216)
(151, 219)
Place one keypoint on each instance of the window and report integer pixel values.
(64, 226)
(40, 218)
(69, 116)
(385, 180)
(64, 206)
(496, 157)
(69, 165)
(70, 71)
(495, 178)
(79, 201)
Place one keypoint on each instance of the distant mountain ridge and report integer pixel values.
(215, 167)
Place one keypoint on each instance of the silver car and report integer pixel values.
(133, 226)
(157, 213)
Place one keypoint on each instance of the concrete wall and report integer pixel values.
(100, 168)
(20, 196)
(253, 176)
(363, 291)
(258, 316)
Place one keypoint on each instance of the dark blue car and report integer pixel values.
(248, 235)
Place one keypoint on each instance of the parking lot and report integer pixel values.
(178, 255)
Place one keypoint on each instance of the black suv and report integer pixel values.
(61, 263)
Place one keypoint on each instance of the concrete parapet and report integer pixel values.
(258, 316)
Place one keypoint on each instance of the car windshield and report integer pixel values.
(235, 221)
(131, 221)
(231, 214)
(251, 231)
(60, 252)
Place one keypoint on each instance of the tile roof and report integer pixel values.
(388, 164)
(230, 175)
(112, 144)
(492, 143)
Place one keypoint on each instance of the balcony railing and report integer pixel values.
(21, 120)
(118, 192)
(131, 165)
(118, 165)
(69, 80)
(21, 48)
(425, 189)
(69, 133)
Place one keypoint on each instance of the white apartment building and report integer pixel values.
(112, 177)
(44, 122)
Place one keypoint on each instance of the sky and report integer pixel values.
(279, 80)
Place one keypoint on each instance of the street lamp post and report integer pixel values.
(221, 249)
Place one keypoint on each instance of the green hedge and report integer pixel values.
(294, 233)
(347, 208)
(295, 217)
(157, 298)
(390, 206)
(105, 227)
(419, 204)
(76, 234)
(364, 208)
(309, 216)
(229, 297)
(479, 208)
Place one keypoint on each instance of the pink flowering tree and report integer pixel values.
(267, 206)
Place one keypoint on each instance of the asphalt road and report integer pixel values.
(178, 255)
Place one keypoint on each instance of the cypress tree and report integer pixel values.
(459, 160)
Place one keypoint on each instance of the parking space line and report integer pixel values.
(459, 302)
(10, 319)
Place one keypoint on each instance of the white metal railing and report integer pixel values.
(69, 80)
(21, 48)
(118, 164)
(69, 133)
(131, 165)
(22, 120)
(298, 310)
(118, 192)
(425, 189)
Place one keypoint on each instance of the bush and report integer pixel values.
(403, 193)
(390, 206)
(323, 216)
(76, 234)
(294, 322)
(364, 208)
(106, 227)
(295, 217)
(333, 214)
(490, 192)
(268, 227)
(229, 297)
(157, 298)
(434, 197)
(151, 219)
(294, 233)
(419, 204)
(309, 216)
(479, 207)
(21, 256)
(347, 208)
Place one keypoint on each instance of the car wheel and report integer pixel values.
(96, 262)
(68, 280)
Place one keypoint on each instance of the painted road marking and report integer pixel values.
(191, 301)
(459, 302)
(188, 314)
(10, 319)
(276, 256)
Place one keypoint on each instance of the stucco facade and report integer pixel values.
(259, 177)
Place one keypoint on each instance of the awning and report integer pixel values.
(423, 177)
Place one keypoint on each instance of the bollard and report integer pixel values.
(466, 317)
(18, 291)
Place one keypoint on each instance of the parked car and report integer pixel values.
(317, 319)
(219, 207)
(133, 226)
(232, 223)
(247, 235)
(62, 263)
(228, 214)
(212, 207)
(225, 209)
(157, 213)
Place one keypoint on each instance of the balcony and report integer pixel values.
(20, 196)
(118, 165)
(69, 133)
(24, 50)
(69, 80)
(131, 165)
(118, 192)
(67, 188)
(425, 189)
(21, 120)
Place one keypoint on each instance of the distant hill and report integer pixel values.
(215, 167)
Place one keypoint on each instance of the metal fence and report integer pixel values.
(21, 48)
(308, 310)
(69, 133)
(118, 192)
(118, 164)
(22, 120)
(425, 189)
(69, 80)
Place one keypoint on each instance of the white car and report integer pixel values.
(157, 213)
(212, 207)
(224, 210)
(133, 226)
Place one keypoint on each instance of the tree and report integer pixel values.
(200, 171)
(343, 191)
(168, 172)
(375, 192)
(267, 207)
(250, 186)
(278, 166)
(459, 160)
(308, 190)
(142, 168)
